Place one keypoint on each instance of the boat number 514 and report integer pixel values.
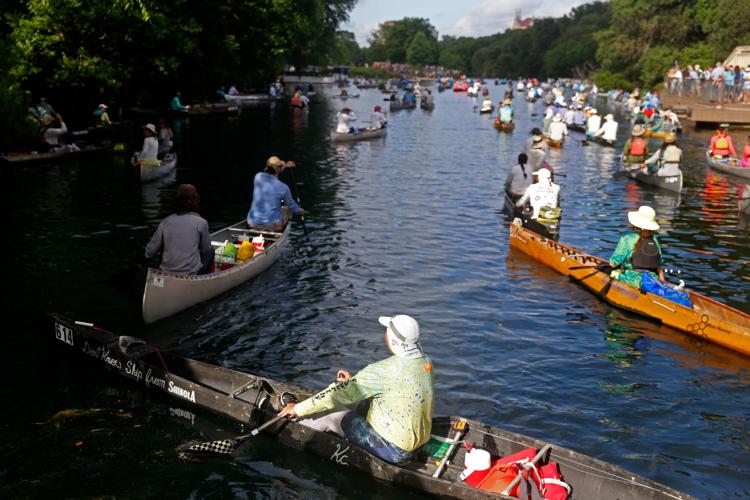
(63, 334)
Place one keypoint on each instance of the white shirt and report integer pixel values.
(557, 131)
(52, 135)
(595, 121)
(150, 149)
(344, 122)
(569, 117)
(541, 194)
(377, 120)
(486, 104)
(608, 131)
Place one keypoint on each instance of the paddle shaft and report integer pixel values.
(296, 194)
(259, 429)
(526, 467)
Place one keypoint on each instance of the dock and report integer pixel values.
(702, 112)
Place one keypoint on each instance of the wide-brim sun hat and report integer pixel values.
(402, 333)
(150, 127)
(103, 106)
(644, 218)
(557, 118)
(638, 130)
(507, 101)
(594, 111)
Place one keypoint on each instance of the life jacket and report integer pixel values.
(671, 154)
(637, 147)
(646, 257)
(296, 102)
(721, 143)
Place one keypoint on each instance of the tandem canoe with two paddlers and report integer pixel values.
(435, 469)
(149, 172)
(168, 293)
(707, 319)
(61, 154)
(672, 183)
(363, 135)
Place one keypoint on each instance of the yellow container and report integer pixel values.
(245, 252)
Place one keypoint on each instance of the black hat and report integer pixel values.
(536, 131)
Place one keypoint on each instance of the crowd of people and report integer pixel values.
(720, 83)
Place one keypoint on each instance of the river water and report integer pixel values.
(411, 223)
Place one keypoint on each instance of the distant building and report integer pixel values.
(740, 56)
(521, 23)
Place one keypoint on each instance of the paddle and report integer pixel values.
(626, 172)
(296, 193)
(224, 446)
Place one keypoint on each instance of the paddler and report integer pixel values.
(639, 251)
(745, 162)
(400, 392)
(608, 130)
(666, 161)
(377, 118)
(505, 113)
(721, 143)
(150, 151)
(635, 148)
(183, 238)
(519, 178)
(593, 123)
(543, 193)
(557, 129)
(268, 192)
(176, 105)
(345, 119)
(101, 118)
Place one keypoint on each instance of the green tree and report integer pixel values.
(394, 37)
(422, 50)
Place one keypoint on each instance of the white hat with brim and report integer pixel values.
(151, 127)
(103, 106)
(402, 332)
(644, 218)
(593, 111)
(557, 118)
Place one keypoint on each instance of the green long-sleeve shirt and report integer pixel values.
(622, 255)
(402, 399)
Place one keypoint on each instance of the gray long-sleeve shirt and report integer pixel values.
(182, 240)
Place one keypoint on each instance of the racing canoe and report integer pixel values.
(396, 106)
(365, 133)
(35, 156)
(167, 293)
(728, 165)
(250, 399)
(708, 319)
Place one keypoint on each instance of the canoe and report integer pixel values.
(504, 127)
(167, 293)
(150, 173)
(553, 143)
(35, 156)
(249, 399)
(602, 142)
(427, 106)
(577, 128)
(250, 98)
(708, 319)
(396, 106)
(671, 183)
(345, 96)
(546, 227)
(365, 134)
(222, 108)
(728, 165)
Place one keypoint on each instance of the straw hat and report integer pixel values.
(275, 162)
(507, 101)
(644, 218)
(638, 129)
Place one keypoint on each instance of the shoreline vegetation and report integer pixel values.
(79, 53)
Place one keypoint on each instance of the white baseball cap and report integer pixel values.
(402, 332)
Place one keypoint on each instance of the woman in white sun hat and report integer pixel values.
(639, 251)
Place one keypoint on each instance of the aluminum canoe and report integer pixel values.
(249, 399)
(150, 173)
(728, 165)
(167, 293)
(364, 135)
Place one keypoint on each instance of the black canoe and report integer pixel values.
(250, 399)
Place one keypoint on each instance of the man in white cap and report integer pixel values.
(101, 116)
(608, 130)
(268, 192)
(544, 193)
(400, 390)
(639, 251)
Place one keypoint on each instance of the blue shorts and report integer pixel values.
(359, 432)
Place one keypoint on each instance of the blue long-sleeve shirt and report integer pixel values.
(268, 191)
